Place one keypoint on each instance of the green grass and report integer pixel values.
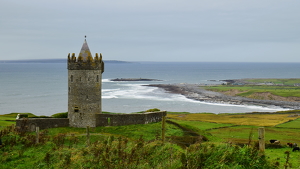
(202, 128)
(240, 134)
(6, 123)
(117, 152)
(247, 90)
(275, 81)
(9, 119)
(282, 87)
(279, 155)
(133, 131)
(201, 124)
(217, 133)
(291, 124)
(12, 116)
(67, 130)
(148, 132)
(236, 134)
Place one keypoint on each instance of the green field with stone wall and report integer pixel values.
(141, 145)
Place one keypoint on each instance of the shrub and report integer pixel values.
(60, 115)
(153, 110)
(224, 156)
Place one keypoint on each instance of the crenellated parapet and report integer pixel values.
(85, 63)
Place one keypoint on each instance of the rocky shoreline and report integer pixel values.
(196, 92)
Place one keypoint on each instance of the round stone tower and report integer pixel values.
(84, 87)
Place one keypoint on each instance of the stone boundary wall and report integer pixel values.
(42, 123)
(128, 119)
(101, 120)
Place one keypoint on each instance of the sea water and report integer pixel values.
(41, 88)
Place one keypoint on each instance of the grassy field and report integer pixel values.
(288, 82)
(248, 90)
(290, 124)
(254, 119)
(242, 129)
(220, 129)
(9, 119)
(281, 126)
(280, 87)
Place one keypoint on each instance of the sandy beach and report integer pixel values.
(196, 92)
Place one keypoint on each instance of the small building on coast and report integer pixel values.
(84, 87)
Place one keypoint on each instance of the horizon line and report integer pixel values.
(62, 59)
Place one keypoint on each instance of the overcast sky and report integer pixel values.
(152, 30)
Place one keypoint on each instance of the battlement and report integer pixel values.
(85, 63)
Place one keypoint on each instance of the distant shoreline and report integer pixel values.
(196, 92)
(134, 79)
(53, 61)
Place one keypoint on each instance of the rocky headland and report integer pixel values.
(197, 92)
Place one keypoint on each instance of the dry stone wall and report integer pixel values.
(42, 123)
(128, 119)
(101, 120)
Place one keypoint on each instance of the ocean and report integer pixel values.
(41, 88)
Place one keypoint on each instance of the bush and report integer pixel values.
(224, 156)
(60, 115)
(153, 110)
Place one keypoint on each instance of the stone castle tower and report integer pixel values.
(84, 87)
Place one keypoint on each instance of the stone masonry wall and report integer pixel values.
(42, 123)
(128, 119)
(101, 120)
(84, 97)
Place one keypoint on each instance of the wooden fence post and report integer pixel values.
(37, 139)
(163, 130)
(88, 135)
(261, 139)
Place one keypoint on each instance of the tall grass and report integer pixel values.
(70, 151)
(123, 146)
